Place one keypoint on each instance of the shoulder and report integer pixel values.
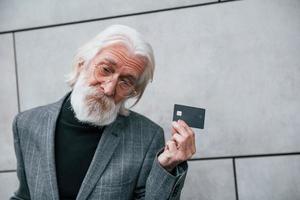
(31, 113)
(33, 116)
(40, 112)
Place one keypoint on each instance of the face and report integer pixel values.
(96, 100)
(122, 64)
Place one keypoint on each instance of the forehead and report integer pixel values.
(121, 56)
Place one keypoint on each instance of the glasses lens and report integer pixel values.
(125, 92)
(122, 89)
(101, 75)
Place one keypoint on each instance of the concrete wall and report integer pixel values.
(238, 59)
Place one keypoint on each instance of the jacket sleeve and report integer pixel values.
(23, 192)
(154, 181)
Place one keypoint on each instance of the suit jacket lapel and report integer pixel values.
(105, 149)
(48, 154)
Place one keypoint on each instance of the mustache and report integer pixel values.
(97, 97)
(97, 92)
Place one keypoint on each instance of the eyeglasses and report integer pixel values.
(125, 86)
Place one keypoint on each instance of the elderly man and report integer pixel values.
(88, 145)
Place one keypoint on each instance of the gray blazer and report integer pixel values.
(124, 165)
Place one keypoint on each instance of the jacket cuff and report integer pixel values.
(170, 183)
(178, 171)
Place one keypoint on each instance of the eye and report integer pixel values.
(126, 83)
(105, 70)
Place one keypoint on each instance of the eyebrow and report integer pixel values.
(131, 76)
(110, 61)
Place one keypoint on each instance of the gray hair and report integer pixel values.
(111, 35)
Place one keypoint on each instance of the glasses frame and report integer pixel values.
(109, 78)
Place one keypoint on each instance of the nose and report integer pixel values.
(109, 87)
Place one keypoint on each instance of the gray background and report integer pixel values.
(238, 59)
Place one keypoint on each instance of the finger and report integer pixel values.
(171, 146)
(194, 149)
(193, 145)
(179, 139)
(190, 136)
(187, 141)
(183, 123)
(166, 147)
(179, 128)
(173, 130)
(186, 127)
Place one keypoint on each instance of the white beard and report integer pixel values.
(92, 106)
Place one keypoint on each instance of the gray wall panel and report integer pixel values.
(16, 14)
(241, 64)
(243, 70)
(8, 101)
(9, 184)
(209, 180)
(239, 60)
(274, 178)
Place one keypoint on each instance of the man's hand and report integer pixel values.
(180, 148)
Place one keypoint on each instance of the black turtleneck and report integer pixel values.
(75, 145)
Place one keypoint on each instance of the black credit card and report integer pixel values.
(194, 117)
